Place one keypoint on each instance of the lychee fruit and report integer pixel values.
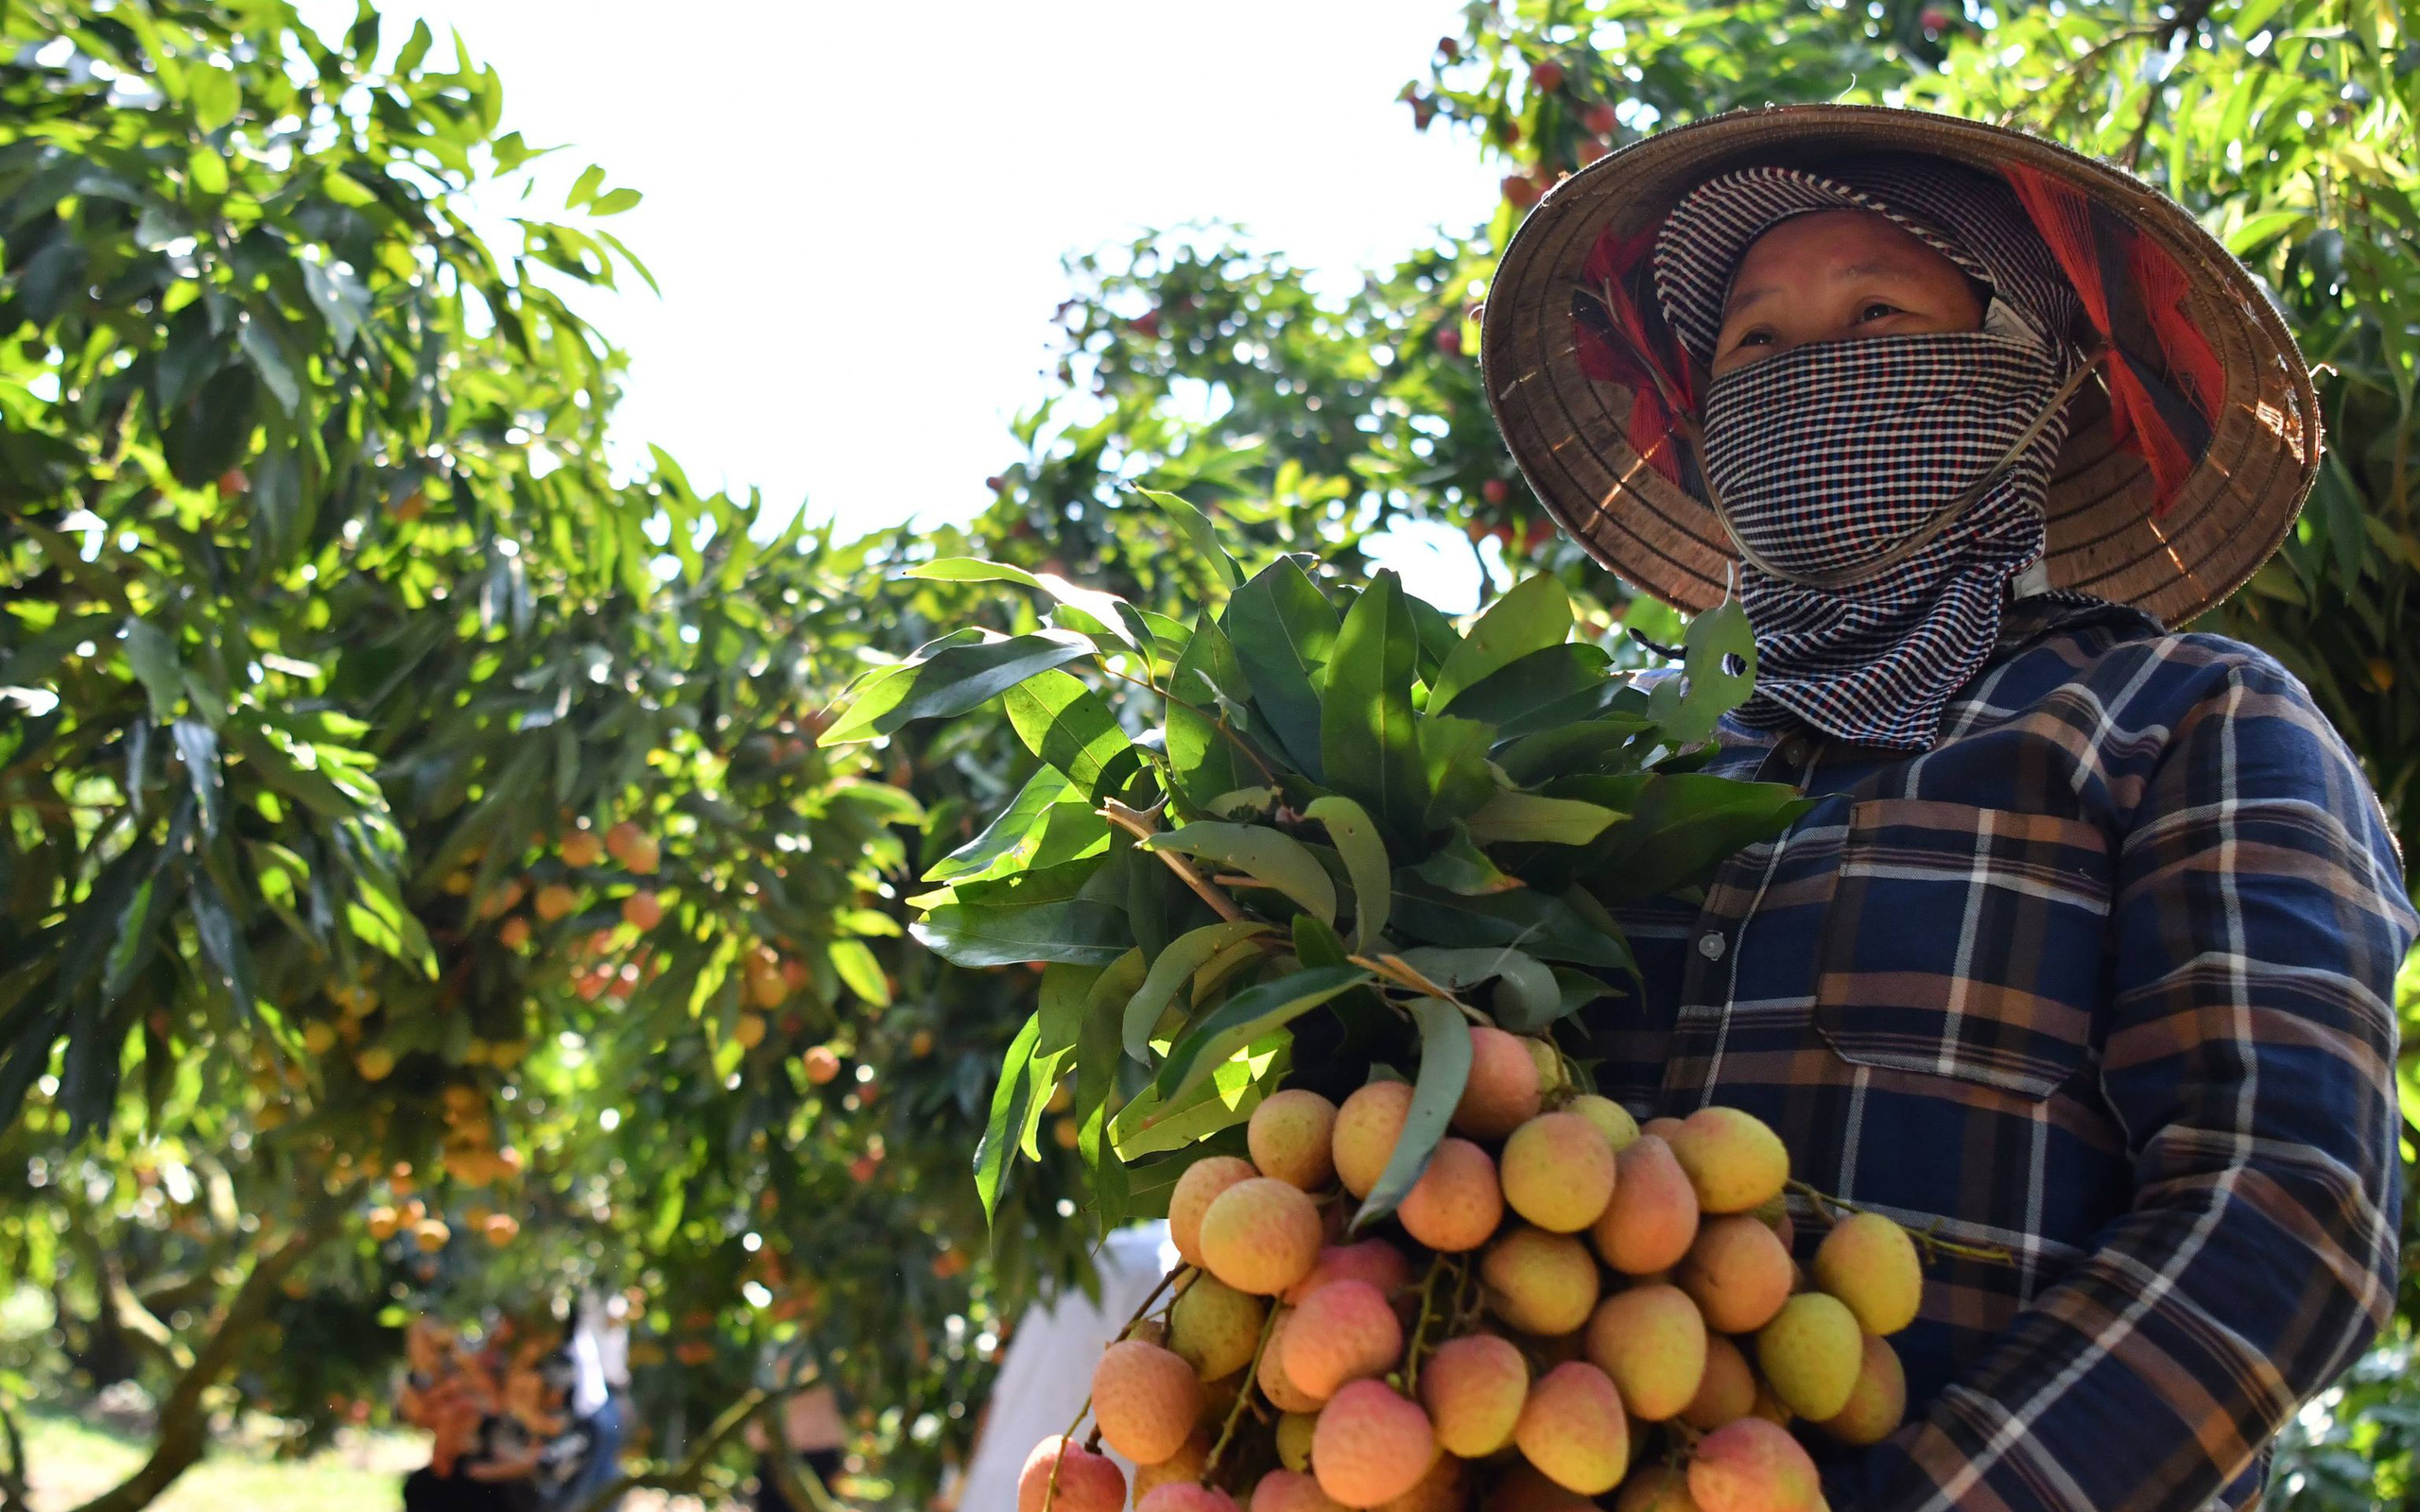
(1727, 1390)
(1203, 1182)
(1737, 1273)
(1558, 1171)
(1087, 1481)
(1289, 1490)
(1473, 1387)
(1186, 1496)
(1215, 1326)
(1294, 1431)
(1652, 1215)
(1612, 1119)
(1502, 1093)
(1292, 1136)
(1869, 1262)
(1574, 1430)
(1275, 1383)
(1877, 1402)
(1651, 1341)
(1734, 1160)
(1456, 1204)
(1371, 1445)
(1145, 1399)
(1439, 1490)
(1187, 1464)
(1753, 1466)
(1810, 1354)
(1260, 1236)
(1346, 1331)
(1539, 1283)
(1367, 1128)
(1374, 1260)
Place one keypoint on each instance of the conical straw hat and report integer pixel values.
(2110, 535)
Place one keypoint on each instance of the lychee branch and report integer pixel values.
(1138, 824)
(1243, 1397)
(1934, 1246)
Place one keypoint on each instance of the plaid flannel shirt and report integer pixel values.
(2105, 979)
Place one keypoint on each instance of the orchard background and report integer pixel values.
(420, 885)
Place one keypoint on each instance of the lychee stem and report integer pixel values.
(1419, 1325)
(1929, 1238)
(1136, 824)
(1243, 1395)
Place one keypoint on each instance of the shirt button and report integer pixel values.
(1710, 944)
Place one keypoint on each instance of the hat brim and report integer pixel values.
(1566, 430)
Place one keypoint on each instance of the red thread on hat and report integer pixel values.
(1610, 336)
(2165, 412)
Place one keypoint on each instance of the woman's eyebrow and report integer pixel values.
(1741, 298)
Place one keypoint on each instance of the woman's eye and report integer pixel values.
(1878, 311)
(1758, 338)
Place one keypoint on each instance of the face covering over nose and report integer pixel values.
(1834, 456)
(1830, 455)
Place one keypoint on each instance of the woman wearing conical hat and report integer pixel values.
(2086, 955)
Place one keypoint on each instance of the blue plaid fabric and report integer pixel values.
(2105, 978)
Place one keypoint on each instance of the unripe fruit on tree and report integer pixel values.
(1810, 1354)
(1737, 1272)
(319, 1038)
(1612, 1119)
(1184, 1496)
(581, 848)
(1204, 1182)
(1656, 1488)
(1869, 1262)
(1374, 1260)
(1652, 1216)
(555, 902)
(1087, 1481)
(1187, 1464)
(1733, 1162)
(1558, 1171)
(1289, 1490)
(1539, 1283)
(1346, 1331)
(1877, 1402)
(1546, 75)
(1145, 1401)
(500, 1228)
(1260, 1236)
(1651, 1341)
(1726, 1392)
(1473, 1387)
(1573, 1429)
(642, 910)
(1456, 1204)
(748, 1029)
(1371, 1445)
(1367, 1128)
(1599, 120)
(1294, 1431)
(1502, 1093)
(1274, 1384)
(1753, 1466)
(514, 932)
(821, 1064)
(1292, 1136)
(1215, 1326)
(633, 848)
(431, 1234)
(1522, 1488)
(375, 1063)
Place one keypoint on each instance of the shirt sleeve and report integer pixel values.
(2258, 922)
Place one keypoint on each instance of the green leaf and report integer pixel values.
(1689, 707)
(1365, 861)
(1186, 954)
(1013, 831)
(1274, 859)
(1226, 1098)
(1369, 743)
(999, 1144)
(853, 961)
(1555, 686)
(949, 682)
(1077, 929)
(1545, 927)
(153, 657)
(1528, 997)
(1205, 759)
(1445, 1070)
(1536, 614)
(1199, 531)
(971, 570)
(1453, 757)
(1283, 632)
(1511, 816)
(1065, 724)
(1461, 867)
(1317, 944)
(1569, 749)
(1247, 1017)
(1680, 825)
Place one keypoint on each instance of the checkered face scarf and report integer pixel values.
(1828, 454)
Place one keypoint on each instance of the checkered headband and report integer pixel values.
(1827, 456)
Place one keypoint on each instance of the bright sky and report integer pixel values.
(857, 213)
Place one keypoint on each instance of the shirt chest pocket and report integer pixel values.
(1965, 942)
